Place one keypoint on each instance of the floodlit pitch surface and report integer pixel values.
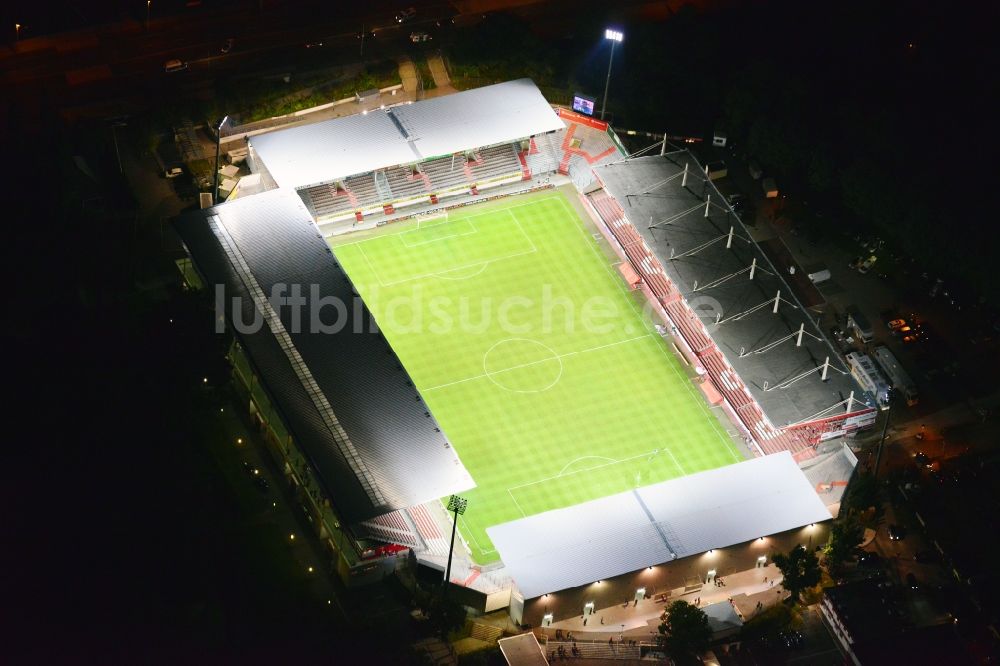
(541, 368)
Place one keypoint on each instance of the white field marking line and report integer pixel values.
(442, 276)
(371, 266)
(576, 460)
(544, 360)
(671, 359)
(555, 357)
(469, 265)
(672, 362)
(492, 211)
(472, 533)
(402, 236)
(521, 229)
(523, 514)
(433, 221)
(647, 454)
(679, 466)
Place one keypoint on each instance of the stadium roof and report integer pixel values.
(622, 533)
(671, 220)
(323, 152)
(344, 395)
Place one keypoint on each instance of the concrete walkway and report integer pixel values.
(638, 620)
(408, 75)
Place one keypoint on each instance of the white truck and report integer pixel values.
(898, 377)
(871, 380)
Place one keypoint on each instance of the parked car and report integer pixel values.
(174, 65)
(227, 46)
(896, 533)
(417, 37)
(911, 581)
(404, 15)
(922, 459)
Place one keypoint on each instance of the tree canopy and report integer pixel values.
(684, 630)
(800, 568)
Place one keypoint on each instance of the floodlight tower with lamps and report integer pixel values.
(614, 36)
(457, 506)
(218, 147)
(887, 408)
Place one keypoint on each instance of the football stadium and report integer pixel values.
(486, 295)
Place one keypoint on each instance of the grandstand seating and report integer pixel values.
(325, 201)
(392, 528)
(443, 175)
(424, 522)
(496, 162)
(545, 154)
(723, 377)
(363, 187)
(405, 186)
(579, 171)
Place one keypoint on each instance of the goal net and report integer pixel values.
(432, 218)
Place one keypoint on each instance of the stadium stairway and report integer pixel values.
(596, 650)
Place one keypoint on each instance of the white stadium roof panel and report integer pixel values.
(322, 152)
(479, 117)
(319, 153)
(615, 535)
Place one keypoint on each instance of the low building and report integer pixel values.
(648, 542)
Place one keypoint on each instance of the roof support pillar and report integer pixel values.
(729, 239)
(708, 202)
(826, 368)
(753, 267)
(663, 146)
(777, 300)
(684, 178)
(802, 328)
(850, 402)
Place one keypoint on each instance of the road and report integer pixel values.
(120, 67)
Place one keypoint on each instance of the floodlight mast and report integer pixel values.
(614, 36)
(218, 147)
(457, 506)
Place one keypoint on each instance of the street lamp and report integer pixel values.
(887, 408)
(457, 506)
(614, 36)
(148, 3)
(218, 147)
(17, 32)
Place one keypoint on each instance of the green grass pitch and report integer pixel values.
(541, 368)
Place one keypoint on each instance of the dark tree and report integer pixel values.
(845, 536)
(800, 569)
(684, 630)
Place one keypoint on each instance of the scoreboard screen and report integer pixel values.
(583, 104)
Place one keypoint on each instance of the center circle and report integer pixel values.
(522, 365)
